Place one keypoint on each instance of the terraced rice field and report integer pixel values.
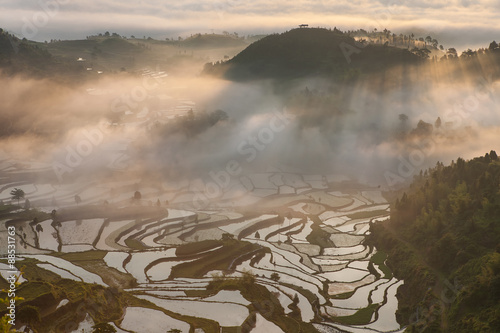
(175, 252)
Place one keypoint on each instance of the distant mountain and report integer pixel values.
(212, 41)
(309, 52)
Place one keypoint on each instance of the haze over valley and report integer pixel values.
(298, 179)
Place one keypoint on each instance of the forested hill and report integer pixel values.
(443, 239)
(306, 52)
(27, 57)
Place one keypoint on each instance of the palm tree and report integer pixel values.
(17, 194)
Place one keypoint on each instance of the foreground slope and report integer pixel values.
(444, 240)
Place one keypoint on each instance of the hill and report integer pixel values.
(23, 56)
(84, 58)
(443, 239)
(309, 52)
(212, 41)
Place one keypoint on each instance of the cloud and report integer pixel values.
(68, 19)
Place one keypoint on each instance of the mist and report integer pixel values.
(381, 129)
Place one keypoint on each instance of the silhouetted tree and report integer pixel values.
(493, 155)
(78, 200)
(17, 194)
(452, 52)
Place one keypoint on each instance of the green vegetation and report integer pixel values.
(443, 240)
(38, 307)
(92, 261)
(232, 252)
(379, 260)
(209, 326)
(367, 214)
(103, 328)
(211, 41)
(197, 247)
(31, 215)
(263, 302)
(318, 236)
(308, 52)
(361, 317)
(17, 194)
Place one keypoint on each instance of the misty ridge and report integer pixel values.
(379, 115)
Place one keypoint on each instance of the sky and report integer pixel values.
(455, 23)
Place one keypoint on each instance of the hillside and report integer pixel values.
(309, 52)
(84, 58)
(23, 56)
(443, 239)
(212, 41)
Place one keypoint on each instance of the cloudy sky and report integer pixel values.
(455, 23)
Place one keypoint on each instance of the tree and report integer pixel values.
(493, 45)
(493, 155)
(5, 326)
(27, 204)
(17, 194)
(422, 53)
(257, 235)
(137, 195)
(437, 124)
(452, 52)
(28, 314)
(78, 200)
(275, 277)
(106, 34)
(404, 120)
(103, 328)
